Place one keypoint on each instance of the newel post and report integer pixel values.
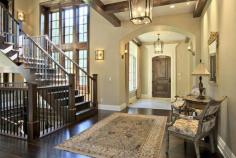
(72, 109)
(95, 91)
(33, 125)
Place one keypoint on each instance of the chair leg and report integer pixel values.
(167, 143)
(196, 145)
(212, 142)
(185, 146)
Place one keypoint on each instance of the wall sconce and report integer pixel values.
(99, 54)
(20, 16)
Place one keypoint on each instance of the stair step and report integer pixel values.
(86, 114)
(49, 79)
(82, 106)
(9, 43)
(32, 59)
(64, 93)
(5, 48)
(41, 68)
(12, 52)
(65, 101)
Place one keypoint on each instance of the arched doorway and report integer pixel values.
(161, 77)
(150, 28)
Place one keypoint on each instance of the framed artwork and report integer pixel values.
(213, 44)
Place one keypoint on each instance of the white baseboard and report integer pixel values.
(224, 149)
(112, 107)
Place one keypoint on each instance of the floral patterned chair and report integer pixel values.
(195, 128)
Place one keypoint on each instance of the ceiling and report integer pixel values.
(111, 1)
(165, 36)
(180, 8)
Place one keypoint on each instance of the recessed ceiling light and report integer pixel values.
(172, 6)
(188, 3)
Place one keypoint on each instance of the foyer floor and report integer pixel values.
(44, 148)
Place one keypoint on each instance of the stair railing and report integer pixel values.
(83, 82)
(47, 73)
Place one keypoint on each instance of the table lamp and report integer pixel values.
(200, 71)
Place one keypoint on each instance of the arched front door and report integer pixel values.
(161, 77)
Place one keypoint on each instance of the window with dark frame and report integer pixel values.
(68, 27)
(82, 60)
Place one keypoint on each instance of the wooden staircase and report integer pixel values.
(58, 95)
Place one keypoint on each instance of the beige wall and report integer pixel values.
(184, 67)
(111, 71)
(221, 16)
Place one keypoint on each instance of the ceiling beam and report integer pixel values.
(124, 5)
(98, 6)
(200, 5)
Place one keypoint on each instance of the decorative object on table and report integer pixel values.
(140, 11)
(213, 43)
(120, 135)
(194, 129)
(158, 45)
(99, 54)
(179, 106)
(200, 71)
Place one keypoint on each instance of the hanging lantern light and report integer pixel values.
(141, 11)
(158, 45)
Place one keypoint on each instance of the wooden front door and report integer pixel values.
(161, 77)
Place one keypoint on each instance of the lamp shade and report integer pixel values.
(201, 70)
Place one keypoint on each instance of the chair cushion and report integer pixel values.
(186, 127)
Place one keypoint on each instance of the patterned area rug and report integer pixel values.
(120, 135)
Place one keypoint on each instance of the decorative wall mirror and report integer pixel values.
(213, 55)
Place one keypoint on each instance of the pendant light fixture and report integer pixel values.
(140, 11)
(158, 45)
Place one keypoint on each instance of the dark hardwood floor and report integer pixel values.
(44, 147)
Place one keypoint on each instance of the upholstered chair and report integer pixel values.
(195, 128)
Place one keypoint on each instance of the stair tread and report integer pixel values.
(66, 98)
(84, 111)
(81, 103)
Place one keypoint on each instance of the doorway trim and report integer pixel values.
(172, 55)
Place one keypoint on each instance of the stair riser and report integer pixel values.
(63, 94)
(78, 99)
(83, 107)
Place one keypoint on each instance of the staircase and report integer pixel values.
(60, 96)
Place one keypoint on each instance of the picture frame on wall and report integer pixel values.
(213, 44)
